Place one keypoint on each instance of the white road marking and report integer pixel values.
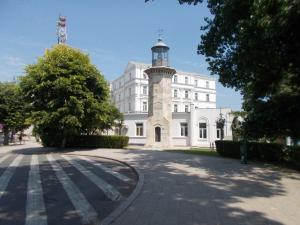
(106, 169)
(8, 173)
(35, 207)
(3, 158)
(83, 208)
(110, 191)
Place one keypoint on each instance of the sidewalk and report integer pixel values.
(185, 189)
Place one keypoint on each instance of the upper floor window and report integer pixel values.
(139, 129)
(186, 108)
(207, 97)
(196, 96)
(186, 80)
(207, 84)
(184, 129)
(129, 91)
(186, 94)
(175, 93)
(175, 108)
(196, 83)
(144, 90)
(202, 130)
(175, 79)
(129, 106)
(145, 107)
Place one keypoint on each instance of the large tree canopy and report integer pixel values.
(254, 46)
(68, 95)
(12, 109)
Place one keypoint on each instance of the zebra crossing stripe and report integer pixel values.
(106, 169)
(110, 191)
(8, 173)
(82, 206)
(3, 158)
(35, 208)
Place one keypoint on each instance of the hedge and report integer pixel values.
(266, 152)
(90, 141)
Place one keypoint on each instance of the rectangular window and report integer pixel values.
(129, 106)
(175, 79)
(196, 96)
(139, 129)
(207, 84)
(175, 108)
(186, 108)
(196, 83)
(184, 129)
(202, 130)
(186, 80)
(129, 91)
(145, 107)
(207, 97)
(186, 94)
(175, 93)
(144, 90)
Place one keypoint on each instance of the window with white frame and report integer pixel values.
(196, 96)
(175, 93)
(186, 80)
(196, 83)
(186, 94)
(175, 78)
(207, 84)
(129, 106)
(129, 91)
(186, 108)
(203, 130)
(220, 134)
(144, 90)
(184, 129)
(207, 97)
(139, 129)
(175, 108)
(145, 108)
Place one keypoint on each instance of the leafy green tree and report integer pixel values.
(68, 95)
(13, 114)
(254, 46)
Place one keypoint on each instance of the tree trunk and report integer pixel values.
(6, 135)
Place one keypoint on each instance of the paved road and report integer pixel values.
(52, 189)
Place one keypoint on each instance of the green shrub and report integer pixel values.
(228, 148)
(98, 141)
(265, 152)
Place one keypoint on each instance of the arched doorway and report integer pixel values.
(157, 134)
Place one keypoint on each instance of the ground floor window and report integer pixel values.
(203, 130)
(139, 129)
(184, 129)
(186, 108)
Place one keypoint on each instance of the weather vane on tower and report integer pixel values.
(61, 30)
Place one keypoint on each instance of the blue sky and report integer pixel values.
(111, 32)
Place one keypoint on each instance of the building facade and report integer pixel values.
(164, 107)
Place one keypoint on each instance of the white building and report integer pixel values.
(193, 106)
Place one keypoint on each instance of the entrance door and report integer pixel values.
(157, 134)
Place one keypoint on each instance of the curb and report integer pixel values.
(123, 206)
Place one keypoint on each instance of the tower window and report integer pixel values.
(186, 94)
(175, 93)
(207, 97)
(186, 80)
(184, 129)
(139, 129)
(186, 108)
(202, 130)
(145, 107)
(175, 108)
